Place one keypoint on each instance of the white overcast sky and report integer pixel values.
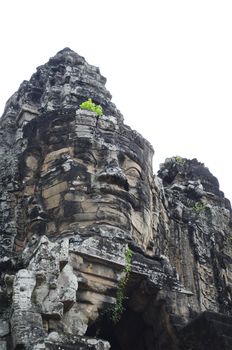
(168, 65)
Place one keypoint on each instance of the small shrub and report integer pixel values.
(91, 106)
(120, 295)
(199, 207)
(179, 160)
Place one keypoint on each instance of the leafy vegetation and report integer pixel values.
(120, 295)
(229, 239)
(179, 160)
(199, 207)
(91, 106)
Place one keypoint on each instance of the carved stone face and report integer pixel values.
(92, 172)
(76, 194)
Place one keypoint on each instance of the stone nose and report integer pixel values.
(113, 174)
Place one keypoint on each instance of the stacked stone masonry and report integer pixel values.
(77, 191)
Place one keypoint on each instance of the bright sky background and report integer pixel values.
(168, 65)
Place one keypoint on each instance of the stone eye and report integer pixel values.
(87, 158)
(133, 173)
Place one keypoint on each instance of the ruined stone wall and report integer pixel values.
(193, 228)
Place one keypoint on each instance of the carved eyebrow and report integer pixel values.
(87, 157)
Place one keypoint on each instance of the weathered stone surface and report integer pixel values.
(56, 340)
(3, 345)
(197, 235)
(4, 328)
(214, 332)
(76, 192)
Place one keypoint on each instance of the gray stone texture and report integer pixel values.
(76, 192)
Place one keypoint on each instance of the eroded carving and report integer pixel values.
(77, 190)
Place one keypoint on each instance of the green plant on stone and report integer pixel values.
(199, 207)
(179, 160)
(118, 308)
(91, 106)
(229, 238)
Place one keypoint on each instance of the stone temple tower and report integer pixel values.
(96, 252)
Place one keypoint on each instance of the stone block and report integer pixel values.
(32, 162)
(29, 190)
(108, 123)
(67, 285)
(3, 345)
(53, 201)
(76, 319)
(56, 154)
(4, 328)
(85, 118)
(72, 197)
(54, 190)
(95, 298)
(26, 114)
